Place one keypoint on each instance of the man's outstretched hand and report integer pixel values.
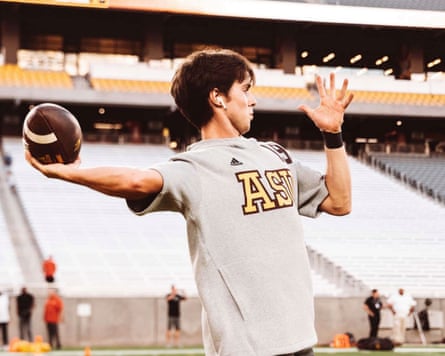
(328, 116)
(52, 170)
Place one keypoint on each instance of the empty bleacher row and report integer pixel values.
(14, 76)
(393, 238)
(425, 173)
(384, 97)
(270, 84)
(140, 86)
(130, 86)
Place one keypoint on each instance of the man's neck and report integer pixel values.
(218, 127)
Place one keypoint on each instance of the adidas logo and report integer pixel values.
(235, 162)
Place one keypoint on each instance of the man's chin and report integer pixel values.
(245, 131)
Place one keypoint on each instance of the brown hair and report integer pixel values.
(202, 72)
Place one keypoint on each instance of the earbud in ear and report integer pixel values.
(223, 104)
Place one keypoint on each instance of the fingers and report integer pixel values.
(322, 89)
(348, 100)
(320, 86)
(332, 84)
(330, 98)
(344, 99)
(31, 160)
(306, 109)
(332, 89)
(344, 87)
(28, 156)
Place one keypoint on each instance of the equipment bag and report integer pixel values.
(375, 343)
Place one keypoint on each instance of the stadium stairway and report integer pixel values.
(342, 282)
(19, 245)
(11, 276)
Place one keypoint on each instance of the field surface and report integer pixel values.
(432, 350)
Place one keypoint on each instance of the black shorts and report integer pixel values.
(173, 322)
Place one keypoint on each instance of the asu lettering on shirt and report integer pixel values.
(262, 192)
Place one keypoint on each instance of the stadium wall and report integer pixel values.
(141, 322)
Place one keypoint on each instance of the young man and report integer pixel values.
(402, 306)
(53, 316)
(49, 269)
(174, 299)
(372, 306)
(25, 306)
(4, 318)
(242, 202)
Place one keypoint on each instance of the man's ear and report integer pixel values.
(217, 99)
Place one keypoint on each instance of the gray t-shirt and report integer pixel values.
(242, 201)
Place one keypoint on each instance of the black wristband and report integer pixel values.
(332, 140)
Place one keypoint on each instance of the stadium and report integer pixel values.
(110, 62)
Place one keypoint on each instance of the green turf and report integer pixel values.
(381, 353)
(411, 350)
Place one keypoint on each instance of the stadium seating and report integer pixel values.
(391, 239)
(123, 85)
(282, 93)
(421, 172)
(14, 76)
(145, 79)
(397, 98)
(98, 244)
(273, 84)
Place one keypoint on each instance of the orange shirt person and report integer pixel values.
(52, 317)
(49, 269)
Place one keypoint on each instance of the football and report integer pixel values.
(52, 134)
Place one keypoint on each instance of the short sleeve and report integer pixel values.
(311, 189)
(180, 188)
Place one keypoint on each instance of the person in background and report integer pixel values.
(174, 315)
(52, 317)
(372, 307)
(4, 317)
(424, 319)
(49, 269)
(25, 306)
(402, 306)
